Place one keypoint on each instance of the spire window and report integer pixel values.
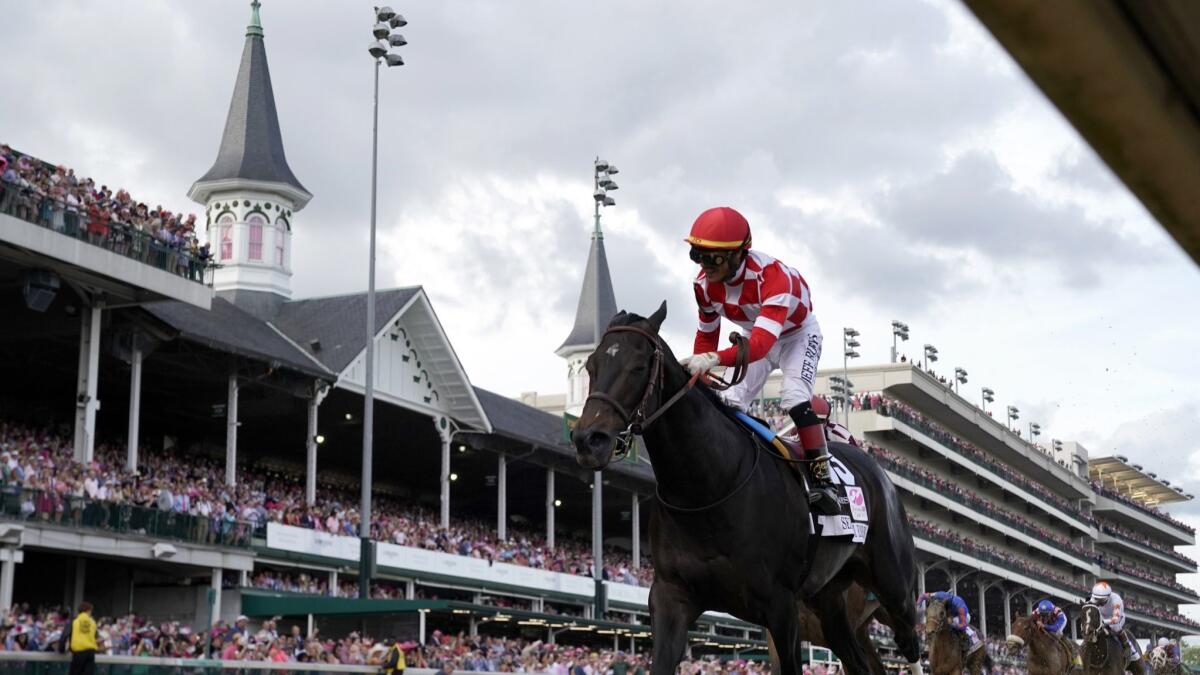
(256, 223)
(280, 233)
(225, 236)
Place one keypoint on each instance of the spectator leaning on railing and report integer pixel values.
(53, 197)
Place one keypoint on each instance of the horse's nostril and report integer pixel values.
(598, 441)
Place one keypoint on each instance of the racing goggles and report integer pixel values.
(708, 258)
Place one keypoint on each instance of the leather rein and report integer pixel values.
(637, 421)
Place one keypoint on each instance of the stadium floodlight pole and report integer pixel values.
(1013, 416)
(602, 184)
(849, 344)
(931, 353)
(960, 377)
(988, 397)
(899, 330)
(385, 21)
(1035, 430)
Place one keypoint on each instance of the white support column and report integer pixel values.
(80, 578)
(635, 515)
(1007, 613)
(135, 407)
(231, 425)
(86, 403)
(410, 590)
(310, 468)
(921, 572)
(9, 558)
(502, 497)
(216, 588)
(1073, 620)
(598, 524)
(444, 520)
(333, 583)
(550, 508)
(311, 626)
(979, 584)
(421, 626)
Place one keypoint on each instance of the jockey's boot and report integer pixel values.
(821, 495)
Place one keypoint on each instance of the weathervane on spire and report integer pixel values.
(602, 185)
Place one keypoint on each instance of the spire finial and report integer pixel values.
(255, 27)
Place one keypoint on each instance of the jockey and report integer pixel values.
(1112, 612)
(772, 301)
(1051, 618)
(958, 617)
(1171, 648)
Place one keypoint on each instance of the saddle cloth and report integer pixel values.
(854, 517)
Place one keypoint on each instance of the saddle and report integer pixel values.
(853, 518)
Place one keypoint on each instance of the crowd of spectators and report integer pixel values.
(54, 488)
(1110, 563)
(1115, 530)
(1101, 489)
(55, 197)
(1160, 613)
(890, 407)
(896, 464)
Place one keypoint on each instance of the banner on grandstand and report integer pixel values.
(311, 542)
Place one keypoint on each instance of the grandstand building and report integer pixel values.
(1006, 522)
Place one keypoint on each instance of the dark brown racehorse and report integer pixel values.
(1048, 654)
(730, 529)
(861, 610)
(1103, 653)
(946, 645)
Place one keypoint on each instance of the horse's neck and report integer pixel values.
(694, 448)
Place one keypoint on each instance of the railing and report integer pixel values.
(1103, 491)
(1146, 543)
(941, 539)
(981, 506)
(894, 409)
(42, 507)
(72, 220)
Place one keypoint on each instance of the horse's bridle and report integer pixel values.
(637, 421)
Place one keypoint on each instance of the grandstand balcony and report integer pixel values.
(964, 419)
(1181, 594)
(136, 269)
(1143, 520)
(1160, 623)
(927, 493)
(869, 422)
(1177, 563)
(947, 550)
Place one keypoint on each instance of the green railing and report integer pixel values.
(47, 508)
(120, 238)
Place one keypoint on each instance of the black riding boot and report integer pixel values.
(821, 495)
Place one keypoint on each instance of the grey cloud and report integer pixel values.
(1165, 442)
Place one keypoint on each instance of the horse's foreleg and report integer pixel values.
(863, 633)
(783, 624)
(670, 615)
(830, 605)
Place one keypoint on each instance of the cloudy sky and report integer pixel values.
(891, 151)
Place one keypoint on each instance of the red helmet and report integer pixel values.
(720, 228)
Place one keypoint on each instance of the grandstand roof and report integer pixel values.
(228, 328)
(252, 145)
(337, 322)
(1118, 473)
(597, 302)
(527, 424)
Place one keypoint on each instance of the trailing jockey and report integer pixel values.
(958, 618)
(772, 301)
(1051, 618)
(1172, 649)
(1112, 612)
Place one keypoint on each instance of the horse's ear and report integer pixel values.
(657, 317)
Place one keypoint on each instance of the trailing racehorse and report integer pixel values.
(861, 608)
(947, 651)
(1103, 653)
(1161, 663)
(1049, 654)
(730, 529)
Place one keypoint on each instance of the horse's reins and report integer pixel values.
(637, 421)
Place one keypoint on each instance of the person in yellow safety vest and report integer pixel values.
(80, 638)
(394, 662)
